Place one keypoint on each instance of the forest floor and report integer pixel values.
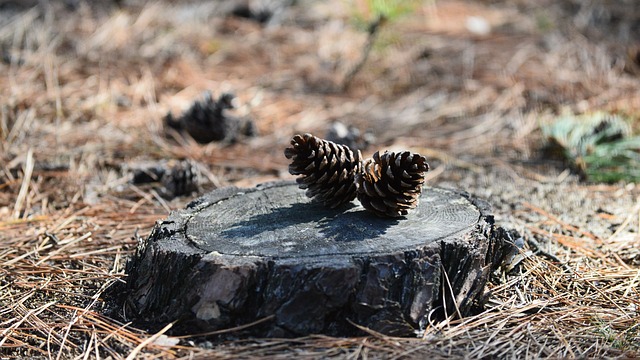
(85, 86)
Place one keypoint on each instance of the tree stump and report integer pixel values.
(236, 255)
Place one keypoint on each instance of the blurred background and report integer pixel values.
(87, 85)
(113, 113)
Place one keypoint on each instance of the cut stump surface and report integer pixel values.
(235, 256)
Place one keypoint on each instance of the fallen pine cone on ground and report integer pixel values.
(207, 121)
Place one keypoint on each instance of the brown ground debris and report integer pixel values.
(85, 85)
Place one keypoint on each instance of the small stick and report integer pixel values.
(148, 341)
(24, 188)
(224, 331)
(372, 32)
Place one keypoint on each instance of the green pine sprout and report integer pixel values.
(372, 17)
(392, 9)
(365, 12)
(600, 146)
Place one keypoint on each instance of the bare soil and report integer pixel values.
(85, 85)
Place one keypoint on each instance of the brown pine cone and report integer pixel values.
(207, 121)
(390, 184)
(327, 169)
(181, 178)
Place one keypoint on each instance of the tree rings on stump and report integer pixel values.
(235, 256)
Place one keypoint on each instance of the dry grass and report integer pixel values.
(82, 96)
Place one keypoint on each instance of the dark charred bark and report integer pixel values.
(238, 255)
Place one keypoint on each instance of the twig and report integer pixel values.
(148, 341)
(224, 331)
(372, 34)
(26, 181)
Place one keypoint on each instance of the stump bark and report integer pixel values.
(236, 255)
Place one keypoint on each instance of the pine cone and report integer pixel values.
(181, 178)
(328, 170)
(390, 184)
(171, 178)
(207, 121)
